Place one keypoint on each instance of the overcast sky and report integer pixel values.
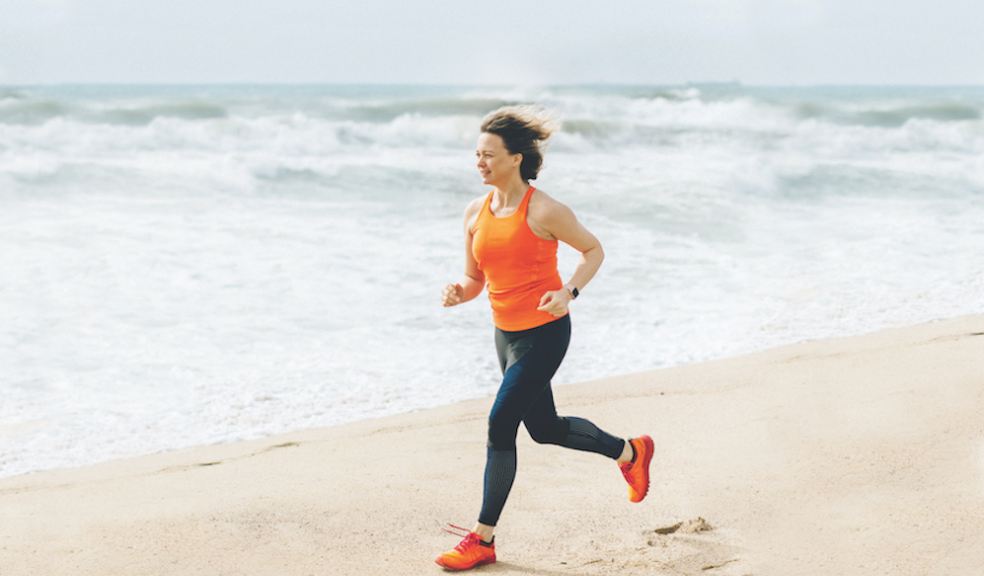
(492, 42)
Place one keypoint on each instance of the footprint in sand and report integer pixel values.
(691, 526)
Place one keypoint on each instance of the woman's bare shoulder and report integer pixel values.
(543, 205)
(546, 214)
(472, 210)
(475, 204)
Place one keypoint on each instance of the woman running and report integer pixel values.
(511, 239)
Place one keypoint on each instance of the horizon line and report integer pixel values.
(695, 83)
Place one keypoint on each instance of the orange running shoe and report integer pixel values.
(637, 473)
(469, 553)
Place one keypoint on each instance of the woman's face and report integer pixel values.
(494, 162)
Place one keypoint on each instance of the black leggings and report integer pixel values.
(529, 359)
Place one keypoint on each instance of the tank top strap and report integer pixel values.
(488, 202)
(525, 204)
(483, 214)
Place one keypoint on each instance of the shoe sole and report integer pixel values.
(475, 565)
(648, 442)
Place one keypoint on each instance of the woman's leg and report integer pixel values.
(529, 360)
(545, 427)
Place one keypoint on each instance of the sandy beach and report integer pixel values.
(857, 455)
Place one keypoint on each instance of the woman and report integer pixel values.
(511, 239)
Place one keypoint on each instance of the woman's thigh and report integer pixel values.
(528, 365)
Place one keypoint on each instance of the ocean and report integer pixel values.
(184, 265)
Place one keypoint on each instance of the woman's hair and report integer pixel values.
(522, 129)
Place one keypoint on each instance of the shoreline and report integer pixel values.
(856, 453)
(620, 375)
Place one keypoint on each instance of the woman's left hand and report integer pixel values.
(555, 302)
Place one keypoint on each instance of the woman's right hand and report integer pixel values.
(453, 293)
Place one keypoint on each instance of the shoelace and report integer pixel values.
(468, 536)
(626, 469)
(626, 466)
(457, 530)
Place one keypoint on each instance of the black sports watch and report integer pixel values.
(573, 292)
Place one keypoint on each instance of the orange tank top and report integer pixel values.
(519, 266)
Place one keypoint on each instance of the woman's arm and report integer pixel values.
(560, 221)
(473, 282)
